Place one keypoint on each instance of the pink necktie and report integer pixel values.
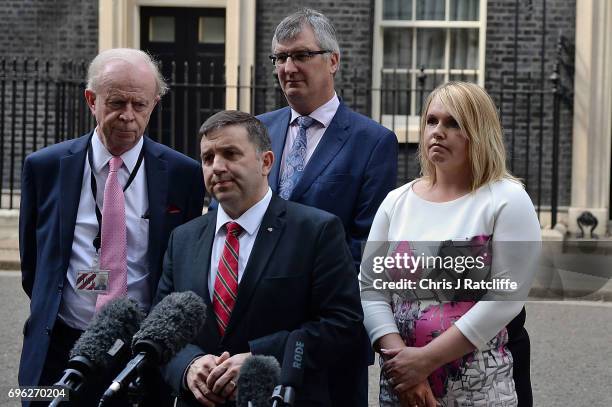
(113, 255)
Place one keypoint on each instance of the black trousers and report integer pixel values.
(520, 348)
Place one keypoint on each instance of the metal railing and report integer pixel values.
(41, 104)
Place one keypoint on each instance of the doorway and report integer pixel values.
(190, 44)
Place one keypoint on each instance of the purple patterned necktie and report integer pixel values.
(296, 159)
(113, 250)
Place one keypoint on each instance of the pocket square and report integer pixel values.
(173, 209)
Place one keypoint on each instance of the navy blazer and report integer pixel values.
(50, 193)
(299, 276)
(349, 174)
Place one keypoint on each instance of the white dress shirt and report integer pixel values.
(323, 115)
(250, 222)
(77, 307)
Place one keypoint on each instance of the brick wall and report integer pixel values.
(58, 31)
(521, 114)
(55, 29)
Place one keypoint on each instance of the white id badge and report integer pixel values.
(93, 279)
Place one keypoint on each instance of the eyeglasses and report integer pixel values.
(297, 57)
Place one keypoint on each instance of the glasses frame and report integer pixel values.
(274, 57)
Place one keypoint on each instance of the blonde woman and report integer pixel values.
(452, 353)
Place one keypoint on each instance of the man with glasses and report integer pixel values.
(330, 157)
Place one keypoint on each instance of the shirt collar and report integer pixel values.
(101, 156)
(251, 219)
(323, 114)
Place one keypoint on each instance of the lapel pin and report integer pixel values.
(270, 229)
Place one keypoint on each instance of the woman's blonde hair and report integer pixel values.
(475, 112)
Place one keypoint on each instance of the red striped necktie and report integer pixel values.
(226, 283)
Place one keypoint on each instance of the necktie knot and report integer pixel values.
(233, 228)
(115, 163)
(305, 122)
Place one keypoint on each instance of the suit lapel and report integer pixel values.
(201, 271)
(278, 133)
(332, 141)
(271, 228)
(157, 191)
(71, 180)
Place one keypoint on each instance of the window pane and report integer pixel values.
(430, 81)
(464, 48)
(430, 47)
(161, 29)
(464, 10)
(395, 93)
(211, 30)
(397, 48)
(430, 10)
(397, 10)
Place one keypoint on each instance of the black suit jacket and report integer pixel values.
(300, 276)
(50, 194)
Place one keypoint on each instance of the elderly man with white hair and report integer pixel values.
(99, 208)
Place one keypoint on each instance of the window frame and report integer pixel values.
(406, 126)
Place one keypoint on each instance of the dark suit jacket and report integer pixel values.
(50, 193)
(349, 174)
(299, 276)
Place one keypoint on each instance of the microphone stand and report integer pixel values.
(283, 396)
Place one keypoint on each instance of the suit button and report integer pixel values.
(59, 289)
(48, 331)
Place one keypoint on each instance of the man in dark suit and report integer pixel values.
(70, 230)
(329, 156)
(264, 266)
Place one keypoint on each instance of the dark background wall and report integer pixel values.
(509, 40)
(54, 31)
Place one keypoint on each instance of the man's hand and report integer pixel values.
(418, 396)
(197, 374)
(406, 367)
(223, 378)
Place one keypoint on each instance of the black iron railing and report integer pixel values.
(41, 104)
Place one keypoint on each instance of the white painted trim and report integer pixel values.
(377, 56)
(592, 126)
(119, 26)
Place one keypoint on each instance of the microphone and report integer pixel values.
(292, 373)
(171, 325)
(102, 345)
(258, 376)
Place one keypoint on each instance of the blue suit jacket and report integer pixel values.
(50, 193)
(349, 174)
(299, 276)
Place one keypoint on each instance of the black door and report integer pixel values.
(190, 43)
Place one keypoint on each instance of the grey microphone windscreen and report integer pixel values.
(171, 325)
(258, 377)
(120, 319)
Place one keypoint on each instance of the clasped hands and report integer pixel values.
(212, 379)
(407, 369)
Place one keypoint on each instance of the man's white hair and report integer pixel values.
(129, 55)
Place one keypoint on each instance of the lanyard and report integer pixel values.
(94, 188)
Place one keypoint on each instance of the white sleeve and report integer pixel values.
(516, 247)
(378, 316)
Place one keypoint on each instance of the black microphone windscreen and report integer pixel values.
(120, 319)
(258, 377)
(172, 324)
(292, 373)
